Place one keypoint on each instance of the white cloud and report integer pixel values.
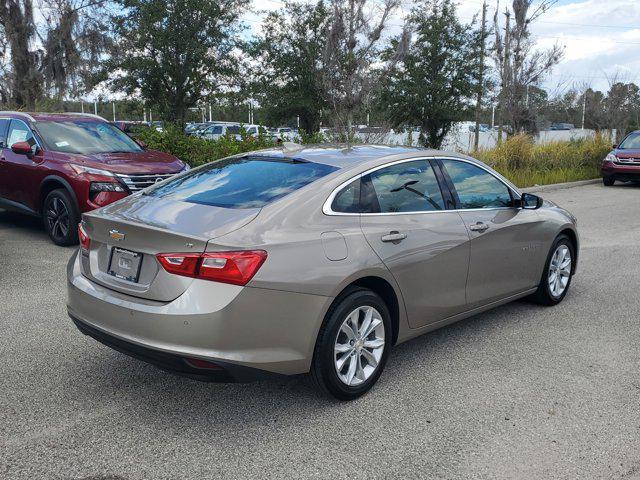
(600, 37)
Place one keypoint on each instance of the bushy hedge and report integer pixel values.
(197, 151)
(519, 158)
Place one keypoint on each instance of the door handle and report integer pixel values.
(393, 237)
(479, 227)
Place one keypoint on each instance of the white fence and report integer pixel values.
(462, 140)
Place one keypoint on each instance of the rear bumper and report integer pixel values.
(269, 330)
(227, 372)
(624, 173)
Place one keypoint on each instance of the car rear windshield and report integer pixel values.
(632, 141)
(85, 137)
(248, 182)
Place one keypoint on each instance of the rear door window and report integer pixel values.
(404, 187)
(248, 182)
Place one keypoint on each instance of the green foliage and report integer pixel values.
(174, 53)
(526, 163)
(518, 158)
(289, 53)
(311, 138)
(437, 75)
(198, 151)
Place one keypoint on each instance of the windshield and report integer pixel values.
(632, 141)
(86, 137)
(249, 182)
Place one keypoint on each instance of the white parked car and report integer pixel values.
(219, 130)
(254, 130)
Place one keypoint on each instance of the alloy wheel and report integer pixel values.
(359, 345)
(57, 218)
(559, 270)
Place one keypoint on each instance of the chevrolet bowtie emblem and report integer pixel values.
(116, 235)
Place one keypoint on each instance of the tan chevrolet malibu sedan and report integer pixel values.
(311, 260)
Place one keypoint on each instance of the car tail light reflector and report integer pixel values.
(236, 267)
(197, 363)
(83, 237)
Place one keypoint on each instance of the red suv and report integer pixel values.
(623, 163)
(59, 165)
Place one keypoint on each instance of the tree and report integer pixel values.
(519, 64)
(4, 73)
(354, 43)
(436, 80)
(51, 57)
(74, 43)
(289, 53)
(176, 53)
(622, 105)
(16, 18)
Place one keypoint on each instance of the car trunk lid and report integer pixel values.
(126, 237)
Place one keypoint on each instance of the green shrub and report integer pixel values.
(311, 138)
(518, 158)
(198, 151)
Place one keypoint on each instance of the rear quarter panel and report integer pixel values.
(300, 258)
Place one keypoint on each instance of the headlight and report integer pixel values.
(611, 158)
(105, 187)
(79, 169)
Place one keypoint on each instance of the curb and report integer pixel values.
(560, 186)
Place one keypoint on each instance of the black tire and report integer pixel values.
(323, 368)
(608, 181)
(60, 216)
(543, 295)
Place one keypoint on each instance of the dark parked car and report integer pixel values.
(58, 166)
(623, 163)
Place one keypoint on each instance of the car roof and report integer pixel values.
(363, 157)
(342, 156)
(42, 116)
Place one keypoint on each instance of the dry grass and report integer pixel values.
(526, 163)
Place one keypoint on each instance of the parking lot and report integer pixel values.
(519, 392)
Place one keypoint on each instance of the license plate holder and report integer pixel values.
(125, 264)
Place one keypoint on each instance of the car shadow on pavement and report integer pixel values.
(29, 224)
(173, 403)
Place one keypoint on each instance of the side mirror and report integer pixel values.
(614, 146)
(142, 144)
(530, 201)
(22, 148)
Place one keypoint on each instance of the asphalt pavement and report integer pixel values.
(522, 391)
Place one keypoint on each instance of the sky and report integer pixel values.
(601, 38)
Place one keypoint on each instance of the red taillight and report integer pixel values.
(184, 264)
(85, 241)
(226, 267)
